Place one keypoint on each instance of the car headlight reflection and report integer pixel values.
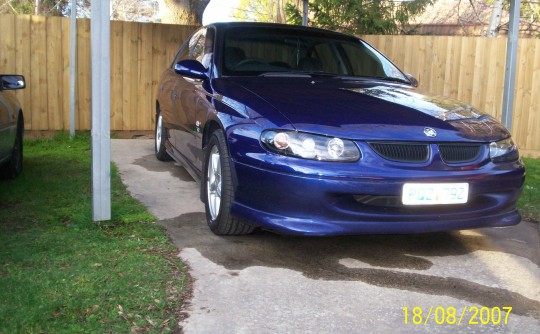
(310, 146)
(504, 150)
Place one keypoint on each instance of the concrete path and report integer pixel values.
(264, 283)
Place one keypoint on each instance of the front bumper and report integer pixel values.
(293, 202)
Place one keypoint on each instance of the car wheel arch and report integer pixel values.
(20, 121)
(209, 128)
(13, 166)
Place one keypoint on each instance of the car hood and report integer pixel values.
(369, 109)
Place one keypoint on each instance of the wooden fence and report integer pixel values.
(470, 69)
(38, 48)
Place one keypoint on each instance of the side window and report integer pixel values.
(182, 53)
(192, 49)
(208, 48)
(196, 45)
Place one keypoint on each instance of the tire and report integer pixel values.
(160, 138)
(219, 190)
(14, 165)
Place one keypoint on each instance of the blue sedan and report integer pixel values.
(310, 132)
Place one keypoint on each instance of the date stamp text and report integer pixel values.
(472, 315)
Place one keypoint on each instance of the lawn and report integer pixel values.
(529, 202)
(62, 273)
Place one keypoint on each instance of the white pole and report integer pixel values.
(511, 59)
(101, 110)
(72, 67)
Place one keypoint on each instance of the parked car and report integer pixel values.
(11, 126)
(311, 132)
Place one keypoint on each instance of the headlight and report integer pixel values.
(504, 150)
(310, 146)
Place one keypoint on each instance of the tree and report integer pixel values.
(264, 10)
(529, 18)
(495, 20)
(172, 11)
(129, 10)
(37, 7)
(175, 11)
(182, 11)
(360, 16)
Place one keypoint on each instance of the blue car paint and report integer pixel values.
(305, 197)
(354, 115)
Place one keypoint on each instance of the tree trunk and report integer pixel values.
(197, 8)
(175, 11)
(38, 7)
(182, 11)
(495, 20)
(305, 12)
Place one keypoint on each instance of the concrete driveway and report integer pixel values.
(265, 283)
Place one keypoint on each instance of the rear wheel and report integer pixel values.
(160, 137)
(219, 191)
(14, 166)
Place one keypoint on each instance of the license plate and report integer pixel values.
(435, 193)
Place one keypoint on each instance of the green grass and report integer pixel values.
(529, 202)
(62, 273)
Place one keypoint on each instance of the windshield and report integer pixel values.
(260, 50)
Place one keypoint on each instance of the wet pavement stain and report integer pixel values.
(150, 163)
(318, 258)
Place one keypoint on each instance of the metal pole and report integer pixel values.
(511, 59)
(72, 67)
(101, 97)
(305, 13)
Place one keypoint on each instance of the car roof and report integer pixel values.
(222, 26)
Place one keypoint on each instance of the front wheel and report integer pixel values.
(219, 191)
(160, 137)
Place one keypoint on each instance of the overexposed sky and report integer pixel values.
(219, 11)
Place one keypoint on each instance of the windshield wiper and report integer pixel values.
(392, 79)
(298, 74)
(285, 74)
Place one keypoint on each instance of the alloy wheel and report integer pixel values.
(213, 182)
(158, 132)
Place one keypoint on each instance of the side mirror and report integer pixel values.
(12, 82)
(192, 69)
(412, 79)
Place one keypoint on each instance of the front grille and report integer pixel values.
(402, 152)
(459, 153)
